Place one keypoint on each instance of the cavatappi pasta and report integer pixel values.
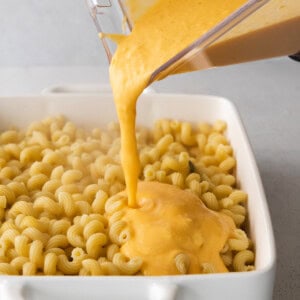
(60, 211)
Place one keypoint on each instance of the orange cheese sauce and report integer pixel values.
(161, 32)
(170, 222)
(176, 221)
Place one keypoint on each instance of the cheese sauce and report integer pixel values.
(170, 222)
(177, 221)
(161, 32)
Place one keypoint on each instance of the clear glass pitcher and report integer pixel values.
(258, 29)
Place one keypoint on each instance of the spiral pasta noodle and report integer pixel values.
(60, 211)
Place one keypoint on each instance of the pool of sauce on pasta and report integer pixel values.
(164, 221)
(170, 222)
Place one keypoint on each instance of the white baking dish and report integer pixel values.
(97, 110)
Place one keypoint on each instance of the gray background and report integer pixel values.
(34, 32)
(48, 42)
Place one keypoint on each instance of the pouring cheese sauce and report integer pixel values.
(176, 221)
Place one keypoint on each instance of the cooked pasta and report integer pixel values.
(50, 264)
(210, 200)
(66, 266)
(60, 211)
(127, 266)
(95, 243)
(109, 268)
(36, 253)
(118, 233)
(75, 236)
(29, 269)
(207, 268)
(239, 241)
(94, 226)
(92, 266)
(243, 261)
(182, 262)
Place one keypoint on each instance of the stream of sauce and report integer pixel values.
(160, 33)
(177, 219)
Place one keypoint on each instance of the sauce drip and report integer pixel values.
(164, 220)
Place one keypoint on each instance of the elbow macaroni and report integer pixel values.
(59, 212)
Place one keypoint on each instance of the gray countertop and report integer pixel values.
(267, 94)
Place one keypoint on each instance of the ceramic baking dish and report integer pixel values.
(90, 110)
